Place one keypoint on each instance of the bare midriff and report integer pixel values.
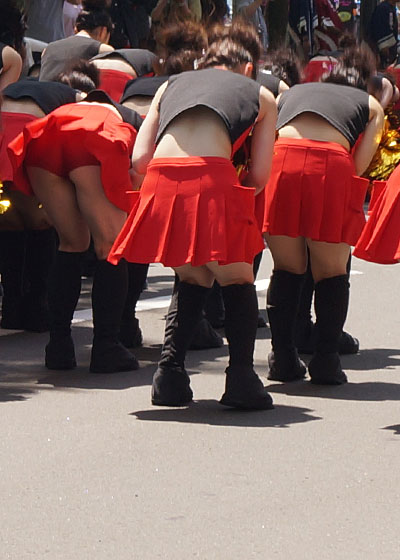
(313, 127)
(196, 132)
(26, 106)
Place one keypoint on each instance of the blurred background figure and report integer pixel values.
(71, 10)
(382, 32)
(12, 50)
(45, 19)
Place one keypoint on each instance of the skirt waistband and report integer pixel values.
(190, 161)
(307, 143)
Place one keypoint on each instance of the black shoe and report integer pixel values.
(60, 354)
(245, 390)
(171, 387)
(113, 358)
(325, 369)
(286, 366)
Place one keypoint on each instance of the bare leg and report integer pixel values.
(58, 197)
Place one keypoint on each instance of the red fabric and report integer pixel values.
(316, 68)
(73, 136)
(11, 125)
(377, 188)
(190, 210)
(113, 82)
(313, 192)
(380, 239)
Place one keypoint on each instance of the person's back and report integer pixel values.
(62, 53)
(200, 119)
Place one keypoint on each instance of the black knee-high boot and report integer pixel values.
(40, 254)
(12, 264)
(243, 388)
(171, 383)
(331, 304)
(304, 335)
(305, 328)
(282, 304)
(63, 294)
(110, 285)
(129, 333)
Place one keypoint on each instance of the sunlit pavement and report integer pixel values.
(90, 470)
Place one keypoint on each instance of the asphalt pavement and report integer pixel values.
(89, 469)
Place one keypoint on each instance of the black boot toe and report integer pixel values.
(245, 390)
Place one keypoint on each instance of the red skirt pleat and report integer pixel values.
(113, 82)
(313, 192)
(11, 125)
(380, 239)
(377, 188)
(190, 210)
(73, 136)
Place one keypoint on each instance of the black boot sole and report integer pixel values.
(258, 404)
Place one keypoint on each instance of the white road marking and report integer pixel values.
(149, 303)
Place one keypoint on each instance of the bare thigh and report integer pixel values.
(328, 259)
(103, 218)
(235, 273)
(58, 197)
(288, 253)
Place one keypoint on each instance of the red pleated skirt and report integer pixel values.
(313, 192)
(380, 239)
(190, 210)
(113, 82)
(11, 125)
(73, 136)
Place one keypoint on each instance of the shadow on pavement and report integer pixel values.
(212, 413)
(23, 374)
(395, 429)
(372, 358)
(368, 391)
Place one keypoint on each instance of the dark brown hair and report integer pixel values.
(82, 75)
(285, 65)
(354, 68)
(93, 15)
(180, 44)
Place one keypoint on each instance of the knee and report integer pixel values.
(102, 249)
(237, 279)
(74, 245)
